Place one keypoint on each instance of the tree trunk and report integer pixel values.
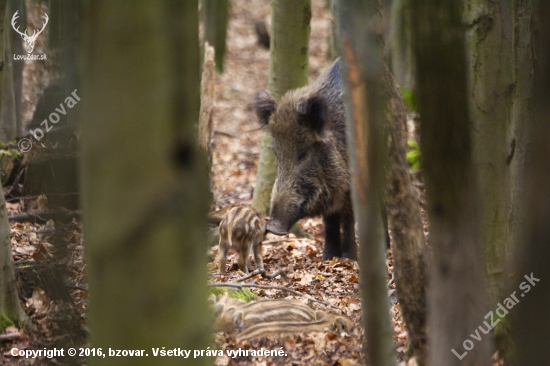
(6, 131)
(400, 44)
(63, 42)
(532, 325)
(288, 69)
(10, 308)
(522, 116)
(407, 232)
(489, 38)
(17, 48)
(215, 15)
(332, 9)
(9, 126)
(457, 298)
(365, 106)
(144, 180)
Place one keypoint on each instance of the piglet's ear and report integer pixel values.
(264, 106)
(313, 112)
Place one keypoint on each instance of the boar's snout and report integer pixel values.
(277, 227)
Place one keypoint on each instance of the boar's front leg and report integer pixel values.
(333, 242)
(349, 247)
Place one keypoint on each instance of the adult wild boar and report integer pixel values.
(309, 135)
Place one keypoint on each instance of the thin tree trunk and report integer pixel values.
(215, 15)
(365, 108)
(9, 126)
(63, 41)
(456, 299)
(208, 80)
(10, 308)
(17, 48)
(6, 131)
(288, 69)
(403, 211)
(332, 9)
(532, 324)
(400, 44)
(144, 180)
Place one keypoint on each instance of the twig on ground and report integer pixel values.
(270, 287)
(9, 337)
(263, 273)
(274, 241)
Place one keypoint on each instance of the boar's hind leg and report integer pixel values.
(223, 249)
(349, 247)
(333, 242)
(258, 252)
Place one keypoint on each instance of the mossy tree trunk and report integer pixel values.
(407, 232)
(362, 61)
(500, 41)
(144, 180)
(490, 37)
(10, 308)
(456, 300)
(288, 69)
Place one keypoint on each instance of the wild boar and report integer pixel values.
(309, 134)
(241, 230)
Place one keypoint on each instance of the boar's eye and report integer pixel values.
(301, 155)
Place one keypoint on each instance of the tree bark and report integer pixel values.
(457, 298)
(10, 308)
(400, 44)
(365, 106)
(144, 180)
(215, 15)
(9, 126)
(17, 48)
(490, 40)
(332, 9)
(531, 324)
(6, 131)
(407, 232)
(288, 69)
(520, 150)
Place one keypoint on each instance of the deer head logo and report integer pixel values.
(29, 40)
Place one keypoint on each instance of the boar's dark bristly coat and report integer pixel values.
(309, 135)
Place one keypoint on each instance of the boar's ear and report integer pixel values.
(264, 106)
(313, 112)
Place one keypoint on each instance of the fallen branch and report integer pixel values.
(274, 241)
(9, 337)
(58, 215)
(270, 287)
(263, 273)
